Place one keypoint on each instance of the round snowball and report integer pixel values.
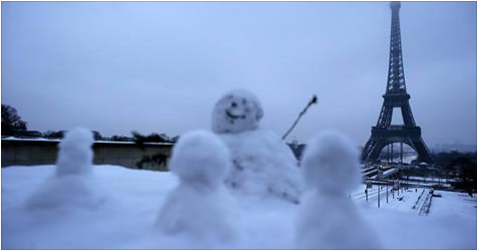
(76, 155)
(200, 157)
(330, 163)
(236, 111)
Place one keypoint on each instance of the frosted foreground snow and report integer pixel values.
(127, 219)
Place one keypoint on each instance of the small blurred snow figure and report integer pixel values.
(329, 218)
(76, 156)
(73, 183)
(263, 164)
(199, 206)
(330, 163)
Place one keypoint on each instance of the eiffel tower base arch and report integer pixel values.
(381, 137)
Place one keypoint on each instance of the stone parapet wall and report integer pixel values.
(26, 152)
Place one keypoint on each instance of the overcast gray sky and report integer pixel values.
(160, 66)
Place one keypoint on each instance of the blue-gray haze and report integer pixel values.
(160, 66)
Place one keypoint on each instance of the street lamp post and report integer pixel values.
(379, 187)
(387, 188)
(394, 185)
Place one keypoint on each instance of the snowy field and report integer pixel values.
(133, 198)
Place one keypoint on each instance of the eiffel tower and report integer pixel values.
(396, 96)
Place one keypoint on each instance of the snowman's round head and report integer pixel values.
(236, 111)
(200, 158)
(331, 163)
(76, 155)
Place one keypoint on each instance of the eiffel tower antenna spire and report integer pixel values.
(396, 96)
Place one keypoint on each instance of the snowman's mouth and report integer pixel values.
(229, 114)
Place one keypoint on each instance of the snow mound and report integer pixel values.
(236, 111)
(73, 184)
(199, 207)
(328, 218)
(67, 192)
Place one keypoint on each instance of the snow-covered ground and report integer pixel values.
(133, 199)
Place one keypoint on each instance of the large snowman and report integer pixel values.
(263, 164)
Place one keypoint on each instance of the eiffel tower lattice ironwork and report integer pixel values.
(396, 96)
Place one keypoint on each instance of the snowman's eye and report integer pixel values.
(234, 104)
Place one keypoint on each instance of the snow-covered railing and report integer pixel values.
(369, 172)
(389, 172)
(418, 199)
(427, 204)
(372, 172)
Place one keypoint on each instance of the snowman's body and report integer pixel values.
(262, 163)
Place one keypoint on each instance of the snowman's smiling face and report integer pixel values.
(237, 111)
(237, 108)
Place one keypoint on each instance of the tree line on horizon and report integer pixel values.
(13, 125)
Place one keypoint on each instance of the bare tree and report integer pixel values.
(11, 121)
